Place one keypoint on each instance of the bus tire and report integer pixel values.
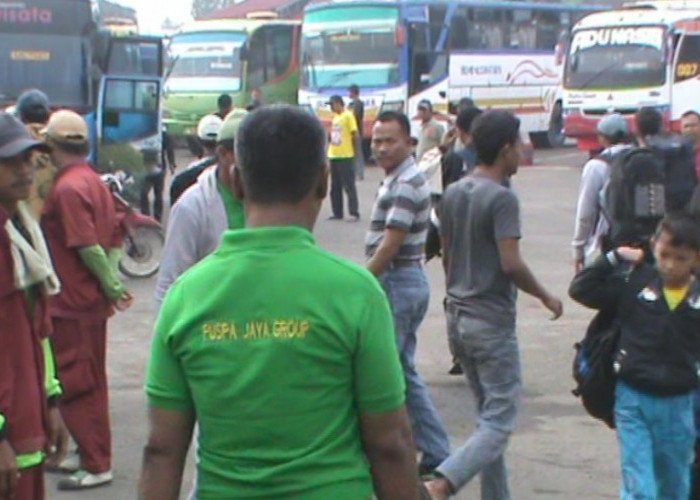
(554, 137)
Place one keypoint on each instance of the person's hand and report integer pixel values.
(58, 438)
(555, 305)
(579, 264)
(438, 489)
(630, 254)
(9, 475)
(124, 302)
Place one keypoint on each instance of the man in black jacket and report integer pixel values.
(656, 361)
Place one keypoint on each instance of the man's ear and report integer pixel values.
(322, 185)
(237, 183)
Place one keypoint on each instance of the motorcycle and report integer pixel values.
(143, 236)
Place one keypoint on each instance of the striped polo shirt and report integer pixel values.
(403, 202)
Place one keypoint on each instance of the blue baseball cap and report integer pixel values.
(612, 125)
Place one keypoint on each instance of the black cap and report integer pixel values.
(336, 98)
(33, 102)
(15, 138)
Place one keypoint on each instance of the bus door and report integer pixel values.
(129, 118)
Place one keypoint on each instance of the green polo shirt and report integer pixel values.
(277, 346)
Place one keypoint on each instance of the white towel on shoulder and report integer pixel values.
(32, 261)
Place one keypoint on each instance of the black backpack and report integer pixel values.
(678, 156)
(634, 198)
(593, 368)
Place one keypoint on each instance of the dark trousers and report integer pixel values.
(81, 349)
(343, 179)
(155, 182)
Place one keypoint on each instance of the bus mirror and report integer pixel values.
(400, 36)
(442, 94)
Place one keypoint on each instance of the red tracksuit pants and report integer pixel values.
(81, 351)
(30, 485)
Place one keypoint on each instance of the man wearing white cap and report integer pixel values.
(203, 213)
(591, 227)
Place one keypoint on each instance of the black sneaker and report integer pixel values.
(456, 369)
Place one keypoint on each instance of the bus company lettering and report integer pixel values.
(277, 329)
(10, 14)
(650, 36)
(481, 69)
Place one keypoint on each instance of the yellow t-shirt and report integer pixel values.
(674, 296)
(341, 143)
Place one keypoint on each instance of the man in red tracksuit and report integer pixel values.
(80, 223)
(30, 423)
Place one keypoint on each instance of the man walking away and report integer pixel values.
(154, 180)
(80, 224)
(203, 213)
(591, 225)
(395, 246)
(431, 131)
(34, 111)
(358, 109)
(30, 422)
(225, 105)
(480, 224)
(460, 162)
(207, 131)
(334, 425)
(341, 153)
(690, 126)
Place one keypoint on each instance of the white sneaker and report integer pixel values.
(83, 480)
(68, 465)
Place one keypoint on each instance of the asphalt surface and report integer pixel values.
(558, 452)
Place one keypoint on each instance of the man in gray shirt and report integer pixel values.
(480, 225)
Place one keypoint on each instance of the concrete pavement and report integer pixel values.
(558, 452)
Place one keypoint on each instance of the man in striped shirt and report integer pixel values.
(395, 246)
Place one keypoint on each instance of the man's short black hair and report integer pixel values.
(683, 228)
(281, 153)
(224, 101)
(354, 89)
(649, 121)
(77, 149)
(691, 112)
(492, 131)
(396, 116)
(466, 118)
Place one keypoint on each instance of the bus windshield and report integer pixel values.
(42, 45)
(616, 58)
(350, 45)
(206, 61)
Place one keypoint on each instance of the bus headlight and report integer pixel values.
(392, 106)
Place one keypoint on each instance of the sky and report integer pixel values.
(152, 13)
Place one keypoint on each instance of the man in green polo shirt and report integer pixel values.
(282, 353)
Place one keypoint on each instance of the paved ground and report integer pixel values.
(558, 452)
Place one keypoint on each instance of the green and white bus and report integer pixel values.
(231, 56)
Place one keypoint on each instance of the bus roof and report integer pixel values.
(246, 25)
(499, 4)
(665, 4)
(637, 16)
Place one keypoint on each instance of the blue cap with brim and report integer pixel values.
(612, 125)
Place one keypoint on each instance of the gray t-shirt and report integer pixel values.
(476, 214)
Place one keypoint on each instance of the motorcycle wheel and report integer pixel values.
(141, 258)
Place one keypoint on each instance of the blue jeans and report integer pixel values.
(656, 436)
(489, 356)
(409, 294)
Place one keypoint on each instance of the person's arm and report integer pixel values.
(8, 461)
(165, 454)
(171, 409)
(181, 248)
(600, 285)
(587, 209)
(399, 219)
(506, 221)
(97, 261)
(387, 441)
(379, 390)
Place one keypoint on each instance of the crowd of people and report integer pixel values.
(294, 370)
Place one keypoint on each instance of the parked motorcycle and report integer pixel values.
(143, 236)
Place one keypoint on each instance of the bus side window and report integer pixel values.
(522, 29)
(256, 59)
(547, 29)
(688, 65)
(459, 30)
(487, 29)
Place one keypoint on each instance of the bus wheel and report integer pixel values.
(554, 137)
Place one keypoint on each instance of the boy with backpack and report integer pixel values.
(657, 308)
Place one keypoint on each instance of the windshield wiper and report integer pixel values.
(605, 69)
(171, 67)
(336, 78)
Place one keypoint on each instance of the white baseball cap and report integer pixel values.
(208, 127)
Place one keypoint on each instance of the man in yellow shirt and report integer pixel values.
(341, 153)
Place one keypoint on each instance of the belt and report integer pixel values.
(405, 263)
